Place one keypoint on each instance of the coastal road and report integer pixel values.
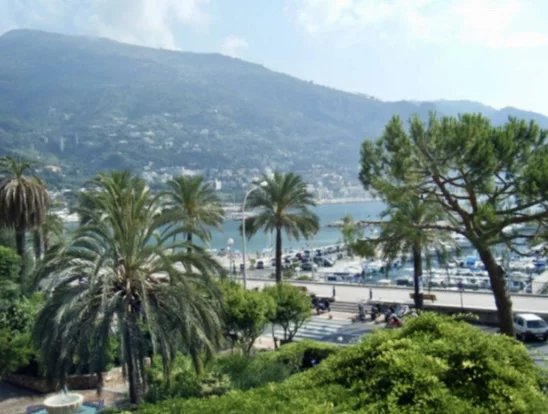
(446, 298)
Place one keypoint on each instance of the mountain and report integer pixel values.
(90, 104)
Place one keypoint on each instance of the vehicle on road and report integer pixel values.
(323, 261)
(308, 266)
(530, 326)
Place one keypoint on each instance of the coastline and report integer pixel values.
(321, 202)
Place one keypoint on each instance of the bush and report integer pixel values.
(248, 372)
(16, 320)
(273, 366)
(285, 398)
(433, 364)
(436, 364)
(182, 382)
(246, 314)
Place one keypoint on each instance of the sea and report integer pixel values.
(230, 235)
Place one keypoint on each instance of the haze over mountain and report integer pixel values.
(89, 104)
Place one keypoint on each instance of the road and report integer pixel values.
(449, 298)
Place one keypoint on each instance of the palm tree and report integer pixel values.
(194, 205)
(53, 226)
(118, 275)
(402, 233)
(282, 203)
(24, 200)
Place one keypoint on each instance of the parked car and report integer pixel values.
(308, 266)
(259, 264)
(530, 326)
(324, 261)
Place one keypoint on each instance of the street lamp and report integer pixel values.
(244, 246)
(229, 244)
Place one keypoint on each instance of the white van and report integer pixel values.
(530, 326)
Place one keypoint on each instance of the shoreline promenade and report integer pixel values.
(447, 298)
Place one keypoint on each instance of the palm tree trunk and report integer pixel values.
(20, 234)
(135, 391)
(189, 240)
(417, 272)
(37, 241)
(20, 243)
(278, 255)
(197, 361)
(503, 301)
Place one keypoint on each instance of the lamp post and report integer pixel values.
(229, 244)
(244, 245)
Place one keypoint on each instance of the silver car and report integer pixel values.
(530, 326)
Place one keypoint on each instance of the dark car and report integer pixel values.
(308, 266)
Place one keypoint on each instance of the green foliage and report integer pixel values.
(246, 314)
(10, 266)
(193, 204)
(250, 372)
(420, 368)
(468, 177)
(265, 367)
(24, 200)
(282, 204)
(292, 308)
(305, 278)
(182, 382)
(16, 321)
(350, 232)
(116, 275)
(432, 365)
(289, 397)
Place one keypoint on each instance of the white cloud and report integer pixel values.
(144, 22)
(489, 23)
(234, 46)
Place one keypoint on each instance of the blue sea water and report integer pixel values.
(327, 213)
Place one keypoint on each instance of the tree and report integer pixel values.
(194, 205)
(419, 368)
(404, 232)
(486, 180)
(119, 275)
(247, 313)
(53, 226)
(351, 233)
(24, 200)
(292, 310)
(282, 203)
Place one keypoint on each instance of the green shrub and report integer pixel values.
(436, 364)
(273, 366)
(285, 398)
(16, 320)
(432, 365)
(182, 382)
(304, 277)
(250, 372)
(246, 314)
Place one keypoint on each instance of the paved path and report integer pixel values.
(470, 300)
(318, 328)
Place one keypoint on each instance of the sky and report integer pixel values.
(491, 51)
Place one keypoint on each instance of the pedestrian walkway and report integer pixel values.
(317, 328)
